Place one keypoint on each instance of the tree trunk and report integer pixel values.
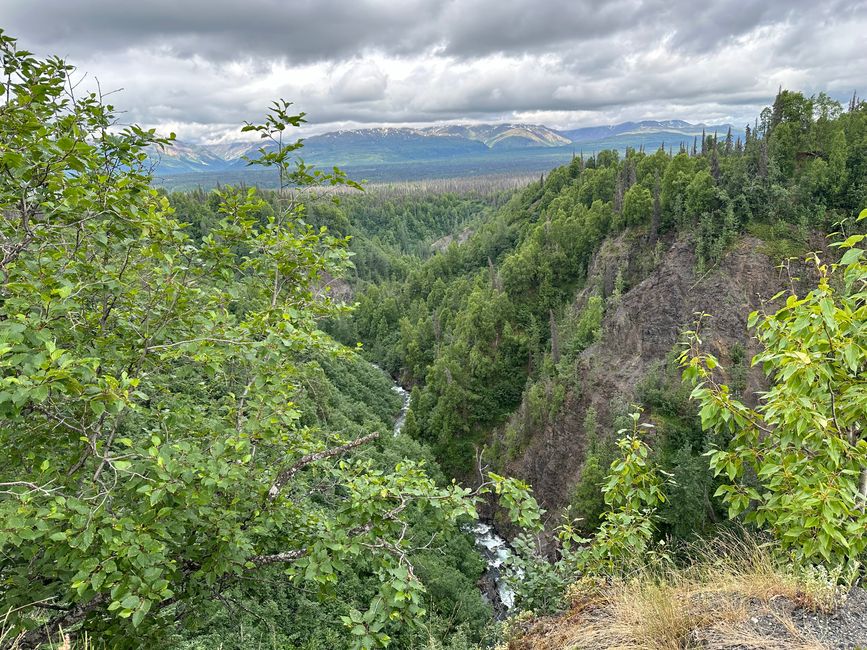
(555, 339)
(863, 489)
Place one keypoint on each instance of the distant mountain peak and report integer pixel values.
(675, 128)
(477, 146)
(493, 135)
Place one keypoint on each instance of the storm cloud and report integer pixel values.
(202, 67)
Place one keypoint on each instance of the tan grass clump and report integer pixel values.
(715, 602)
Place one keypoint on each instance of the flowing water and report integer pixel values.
(401, 417)
(493, 548)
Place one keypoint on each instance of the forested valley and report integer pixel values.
(642, 362)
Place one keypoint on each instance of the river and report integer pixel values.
(493, 548)
(400, 420)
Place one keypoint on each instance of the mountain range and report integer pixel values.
(402, 153)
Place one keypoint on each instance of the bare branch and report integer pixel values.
(166, 346)
(32, 487)
(286, 475)
(287, 556)
(40, 635)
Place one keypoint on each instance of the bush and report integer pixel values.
(797, 464)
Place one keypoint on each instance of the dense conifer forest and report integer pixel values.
(199, 449)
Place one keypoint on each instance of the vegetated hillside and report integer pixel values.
(531, 339)
(350, 396)
(677, 131)
(189, 461)
(390, 229)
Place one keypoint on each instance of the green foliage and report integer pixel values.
(184, 443)
(469, 339)
(637, 206)
(544, 397)
(169, 425)
(700, 194)
(520, 505)
(633, 491)
(539, 584)
(581, 333)
(780, 241)
(690, 508)
(273, 612)
(797, 463)
(686, 512)
(588, 502)
(470, 325)
(675, 181)
(389, 233)
(587, 505)
(662, 390)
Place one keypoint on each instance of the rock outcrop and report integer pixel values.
(641, 328)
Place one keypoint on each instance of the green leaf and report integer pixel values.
(97, 580)
(141, 612)
(130, 602)
(851, 256)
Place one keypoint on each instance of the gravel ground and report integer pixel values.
(844, 629)
(783, 625)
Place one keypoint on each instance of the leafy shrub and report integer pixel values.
(797, 464)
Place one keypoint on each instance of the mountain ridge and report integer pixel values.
(523, 146)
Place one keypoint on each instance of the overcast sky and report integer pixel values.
(201, 67)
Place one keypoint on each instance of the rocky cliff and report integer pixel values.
(663, 296)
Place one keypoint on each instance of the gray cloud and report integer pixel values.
(363, 82)
(201, 67)
(300, 31)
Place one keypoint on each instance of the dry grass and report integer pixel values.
(736, 565)
(63, 642)
(8, 639)
(713, 603)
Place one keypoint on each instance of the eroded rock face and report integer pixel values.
(444, 242)
(640, 331)
(651, 317)
(338, 288)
